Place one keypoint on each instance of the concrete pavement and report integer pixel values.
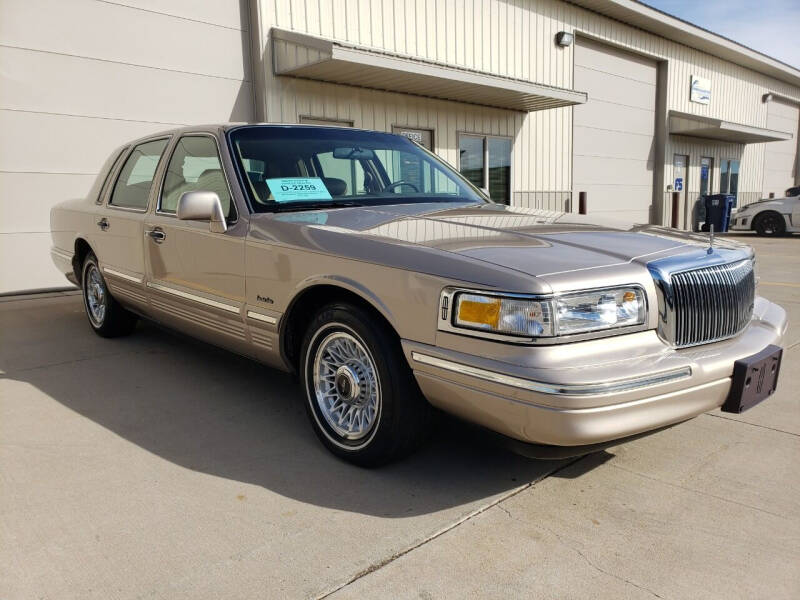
(156, 466)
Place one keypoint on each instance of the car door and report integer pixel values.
(195, 277)
(117, 233)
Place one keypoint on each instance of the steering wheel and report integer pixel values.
(397, 184)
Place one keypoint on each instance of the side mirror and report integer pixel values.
(202, 206)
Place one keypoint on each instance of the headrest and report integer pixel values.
(336, 187)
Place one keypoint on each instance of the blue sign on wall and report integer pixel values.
(703, 171)
(679, 184)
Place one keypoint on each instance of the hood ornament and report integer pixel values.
(710, 240)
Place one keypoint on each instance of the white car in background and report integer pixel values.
(774, 216)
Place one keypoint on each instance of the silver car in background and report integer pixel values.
(390, 285)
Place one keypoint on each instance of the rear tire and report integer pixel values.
(361, 396)
(769, 224)
(106, 316)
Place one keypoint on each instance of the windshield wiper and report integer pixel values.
(301, 205)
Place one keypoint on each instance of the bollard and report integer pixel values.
(582, 203)
(676, 198)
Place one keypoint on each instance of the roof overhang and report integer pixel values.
(305, 56)
(725, 131)
(655, 21)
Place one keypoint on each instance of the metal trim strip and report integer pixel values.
(593, 389)
(116, 273)
(259, 317)
(200, 299)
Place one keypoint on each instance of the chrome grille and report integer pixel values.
(712, 303)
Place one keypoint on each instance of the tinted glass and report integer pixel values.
(194, 166)
(500, 170)
(348, 166)
(132, 188)
(470, 150)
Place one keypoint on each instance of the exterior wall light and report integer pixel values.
(564, 38)
(766, 98)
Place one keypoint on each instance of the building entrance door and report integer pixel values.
(680, 162)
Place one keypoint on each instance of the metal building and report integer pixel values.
(537, 100)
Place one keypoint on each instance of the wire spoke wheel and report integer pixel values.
(95, 294)
(346, 386)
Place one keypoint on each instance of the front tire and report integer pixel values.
(361, 397)
(106, 316)
(769, 224)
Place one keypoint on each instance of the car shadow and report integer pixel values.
(206, 409)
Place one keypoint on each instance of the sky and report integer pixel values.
(769, 26)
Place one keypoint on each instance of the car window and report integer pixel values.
(349, 171)
(194, 166)
(307, 165)
(132, 188)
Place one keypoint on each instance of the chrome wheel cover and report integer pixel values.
(346, 386)
(94, 291)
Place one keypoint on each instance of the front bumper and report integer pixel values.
(741, 222)
(635, 384)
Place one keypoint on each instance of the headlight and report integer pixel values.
(602, 309)
(569, 314)
(513, 316)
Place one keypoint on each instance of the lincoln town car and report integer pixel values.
(392, 287)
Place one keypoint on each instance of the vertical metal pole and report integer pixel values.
(582, 203)
(676, 198)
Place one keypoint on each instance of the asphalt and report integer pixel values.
(155, 466)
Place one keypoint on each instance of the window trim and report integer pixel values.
(485, 140)
(121, 166)
(102, 197)
(159, 197)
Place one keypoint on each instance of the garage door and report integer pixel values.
(614, 132)
(780, 158)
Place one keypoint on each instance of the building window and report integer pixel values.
(729, 177)
(486, 162)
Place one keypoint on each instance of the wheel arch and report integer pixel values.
(314, 295)
(82, 249)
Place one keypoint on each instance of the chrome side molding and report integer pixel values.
(121, 275)
(259, 317)
(199, 299)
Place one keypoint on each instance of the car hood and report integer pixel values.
(531, 241)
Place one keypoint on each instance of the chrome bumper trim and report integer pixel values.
(591, 389)
(116, 273)
(251, 314)
(200, 299)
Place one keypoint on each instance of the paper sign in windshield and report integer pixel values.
(298, 189)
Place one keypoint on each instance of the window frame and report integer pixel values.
(102, 197)
(159, 197)
(122, 164)
(485, 144)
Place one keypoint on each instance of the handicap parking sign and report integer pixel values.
(679, 184)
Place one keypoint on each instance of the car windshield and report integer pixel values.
(298, 168)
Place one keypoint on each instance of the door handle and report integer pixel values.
(157, 235)
(103, 224)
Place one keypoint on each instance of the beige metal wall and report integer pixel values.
(79, 78)
(780, 158)
(512, 38)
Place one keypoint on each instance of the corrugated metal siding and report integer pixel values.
(79, 78)
(511, 38)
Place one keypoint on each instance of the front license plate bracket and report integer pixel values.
(755, 378)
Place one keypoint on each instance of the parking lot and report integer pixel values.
(157, 466)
